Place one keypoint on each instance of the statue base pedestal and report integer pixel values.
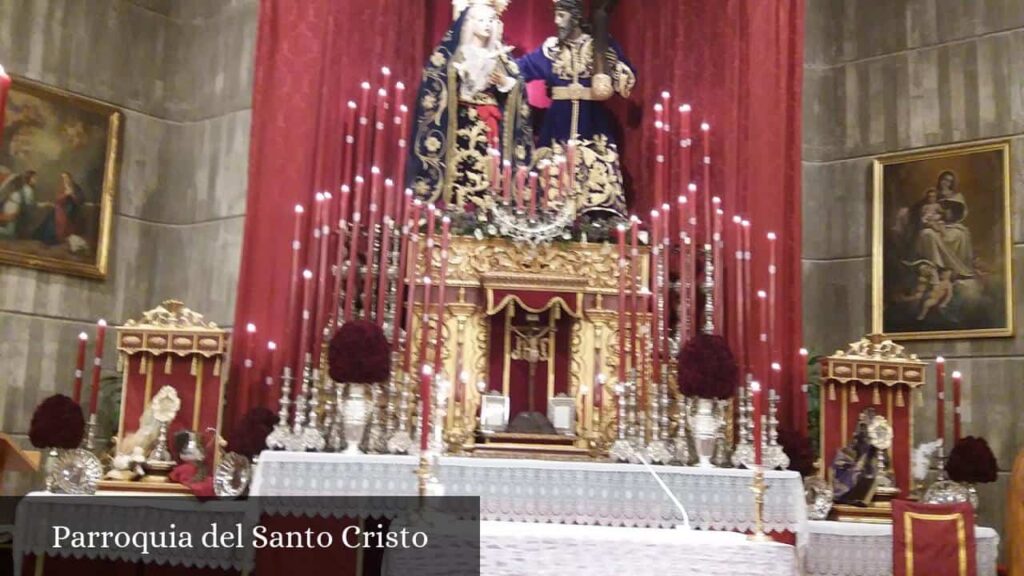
(531, 423)
(542, 446)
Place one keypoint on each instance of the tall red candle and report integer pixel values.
(5, 87)
(719, 276)
(363, 132)
(659, 153)
(376, 185)
(401, 279)
(97, 364)
(706, 180)
(956, 405)
(666, 249)
(739, 294)
(353, 248)
(634, 279)
(748, 313)
(762, 313)
(401, 125)
(349, 148)
(506, 180)
(683, 309)
(426, 379)
(428, 266)
(340, 253)
(243, 384)
(442, 296)
(533, 194)
(76, 391)
(410, 257)
(268, 381)
(307, 302)
(385, 250)
(323, 265)
(940, 398)
(293, 282)
(621, 316)
(755, 391)
(685, 143)
(772, 293)
(317, 222)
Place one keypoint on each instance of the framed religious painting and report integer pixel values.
(58, 176)
(942, 243)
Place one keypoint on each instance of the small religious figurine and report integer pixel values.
(471, 101)
(861, 468)
(582, 70)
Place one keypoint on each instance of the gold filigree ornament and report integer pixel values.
(172, 314)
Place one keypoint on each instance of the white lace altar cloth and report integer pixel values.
(589, 493)
(519, 549)
(857, 549)
(40, 510)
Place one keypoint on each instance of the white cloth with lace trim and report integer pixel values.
(515, 549)
(587, 493)
(858, 549)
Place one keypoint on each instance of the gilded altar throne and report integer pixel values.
(522, 319)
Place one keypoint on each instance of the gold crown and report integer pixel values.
(459, 5)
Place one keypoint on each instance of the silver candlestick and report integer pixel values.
(294, 442)
(277, 440)
(775, 456)
(743, 454)
(393, 300)
(709, 290)
(682, 434)
(620, 449)
(90, 433)
(401, 440)
(312, 436)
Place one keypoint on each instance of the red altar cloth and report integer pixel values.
(933, 539)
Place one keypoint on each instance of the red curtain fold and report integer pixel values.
(311, 56)
(737, 62)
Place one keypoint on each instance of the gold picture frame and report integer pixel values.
(59, 168)
(942, 262)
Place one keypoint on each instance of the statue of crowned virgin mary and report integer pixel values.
(471, 106)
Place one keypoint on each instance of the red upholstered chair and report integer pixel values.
(933, 539)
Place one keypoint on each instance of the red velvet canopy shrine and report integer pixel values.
(738, 63)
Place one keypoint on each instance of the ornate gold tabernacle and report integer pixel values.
(494, 278)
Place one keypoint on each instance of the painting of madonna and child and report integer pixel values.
(58, 169)
(942, 257)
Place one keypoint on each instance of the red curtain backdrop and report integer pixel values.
(737, 62)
